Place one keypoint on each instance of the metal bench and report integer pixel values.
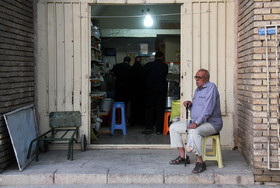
(64, 126)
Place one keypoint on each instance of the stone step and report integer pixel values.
(130, 166)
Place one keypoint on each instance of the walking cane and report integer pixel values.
(187, 117)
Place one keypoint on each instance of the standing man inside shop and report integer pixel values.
(122, 73)
(137, 97)
(155, 93)
(206, 120)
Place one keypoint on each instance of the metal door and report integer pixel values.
(208, 41)
(63, 59)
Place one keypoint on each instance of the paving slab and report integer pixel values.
(185, 176)
(126, 166)
(144, 186)
(234, 176)
(27, 177)
(135, 176)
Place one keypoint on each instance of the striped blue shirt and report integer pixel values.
(206, 106)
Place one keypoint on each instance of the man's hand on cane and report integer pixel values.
(187, 104)
(192, 125)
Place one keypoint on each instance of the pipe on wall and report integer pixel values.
(268, 95)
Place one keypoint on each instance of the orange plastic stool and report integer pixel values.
(166, 121)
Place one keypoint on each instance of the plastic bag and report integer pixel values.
(96, 125)
(175, 119)
(190, 145)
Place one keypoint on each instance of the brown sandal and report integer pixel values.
(180, 160)
(199, 167)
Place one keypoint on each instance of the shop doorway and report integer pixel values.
(118, 31)
(207, 36)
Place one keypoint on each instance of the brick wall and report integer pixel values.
(16, 66)
(252, 86)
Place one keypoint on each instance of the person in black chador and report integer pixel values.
(137, 92)
(122, 73)
(155, 93)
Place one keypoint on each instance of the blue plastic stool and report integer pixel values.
(114, 124)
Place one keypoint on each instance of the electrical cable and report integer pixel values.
(154, 15)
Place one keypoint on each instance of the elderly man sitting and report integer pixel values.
(205, 120)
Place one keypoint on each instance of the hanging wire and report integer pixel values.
(135, 16)
(154, 15)
(114, 36)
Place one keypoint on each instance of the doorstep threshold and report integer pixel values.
(128, 146)
(55, 146)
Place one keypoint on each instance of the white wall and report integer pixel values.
(172, 45)
(127, 46)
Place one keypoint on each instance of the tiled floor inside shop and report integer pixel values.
(134, 136)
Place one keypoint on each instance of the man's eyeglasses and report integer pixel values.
(198, 77)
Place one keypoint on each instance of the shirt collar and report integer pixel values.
(204, 86)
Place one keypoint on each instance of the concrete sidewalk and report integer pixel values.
(126, 166)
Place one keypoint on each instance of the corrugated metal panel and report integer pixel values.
(203, 44)
(65, 60)
(61, 55)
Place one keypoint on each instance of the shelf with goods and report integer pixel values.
(97, 94)
(173, 67)
(100, 105)
(97, 83)
(96, 52)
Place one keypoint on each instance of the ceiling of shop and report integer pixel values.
(127, 20)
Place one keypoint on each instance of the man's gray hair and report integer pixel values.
(207, 72)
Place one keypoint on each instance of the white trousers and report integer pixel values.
(178, 128)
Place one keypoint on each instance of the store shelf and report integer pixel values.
(98, 95)
(97, 61)
(95, 80)
(97, 49)
(95, 37)
(105, 130)
(177, 62)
